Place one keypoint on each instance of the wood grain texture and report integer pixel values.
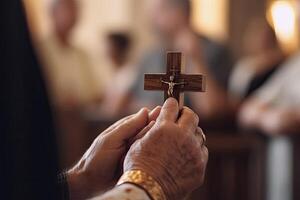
(153, 82)
(174, 62)
(161, 82)
(194, 82)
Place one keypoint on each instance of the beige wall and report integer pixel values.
(210, 17)
(100, 16)
(97, 17)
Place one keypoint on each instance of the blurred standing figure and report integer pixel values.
(67, 67)
(262, 57)
(273, 109)
(116, 94)
(171, 21)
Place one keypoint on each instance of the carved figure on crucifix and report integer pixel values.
(173, 82)
(171, 85)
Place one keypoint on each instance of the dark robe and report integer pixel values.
(28, 157)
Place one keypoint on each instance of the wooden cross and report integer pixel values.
(173, 83)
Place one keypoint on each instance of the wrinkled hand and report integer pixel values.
(99, 168)
(171, 151)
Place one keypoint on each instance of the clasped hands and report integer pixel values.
(164, 143)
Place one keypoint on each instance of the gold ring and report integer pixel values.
(200, 132)
(204, 138)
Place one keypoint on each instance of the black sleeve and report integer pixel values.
(63, 186)
(29, 164)
(221, 64)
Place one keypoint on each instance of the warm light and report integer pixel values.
(283, 17)
(210, 18)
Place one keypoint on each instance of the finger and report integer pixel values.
(169, 111)
(142, 133)
(129, 128)
(188, 120)
(153, 115)
(116, 124)
(121, 121)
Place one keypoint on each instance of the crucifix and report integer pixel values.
(174, 83)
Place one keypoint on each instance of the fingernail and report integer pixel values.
(142, 110)
(171, 100)
(155, 109)
(151, 123)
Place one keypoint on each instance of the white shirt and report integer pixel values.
(241, 77)
(283, 88)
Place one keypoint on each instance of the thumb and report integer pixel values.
(169, 111)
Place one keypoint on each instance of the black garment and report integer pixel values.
(28, 157)
(261, 79)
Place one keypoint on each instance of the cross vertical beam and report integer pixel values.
(174, 83)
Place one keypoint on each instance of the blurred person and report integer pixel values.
(29, 164)
(262, 57)
(117, 89)
(171, 21)
(67, 67)
(274, 108)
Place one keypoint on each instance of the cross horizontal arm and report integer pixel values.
(154, 82)
(193, 83)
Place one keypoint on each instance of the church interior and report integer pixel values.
(94, 55)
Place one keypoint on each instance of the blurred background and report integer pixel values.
(94, 54)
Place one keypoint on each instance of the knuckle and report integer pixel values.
(199, 141)
(205, 152)
(191, 114)
(104, 140)
(200, 130)
(195, 118)
(145, 109)
(165, 126)
(126, 124)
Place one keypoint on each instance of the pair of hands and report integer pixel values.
(161, 143)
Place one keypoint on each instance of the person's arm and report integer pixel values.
(168, 138)
(269, 119)
(100, 166)
(278, 121)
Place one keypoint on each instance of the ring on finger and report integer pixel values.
(203, 136)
